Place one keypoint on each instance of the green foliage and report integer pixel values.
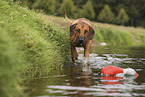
(9, 64)
(114, 36)
(106, 15)
(98, 37)
(88, 11)
(29, 46)
(47, 5)
(140, 37)
(39, 42)
(122, 16)
(134, 8)
(67, 6)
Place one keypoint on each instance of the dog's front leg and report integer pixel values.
(74, 53)
(87, 51)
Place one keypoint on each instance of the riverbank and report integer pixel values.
(107, 33)
(30, 46)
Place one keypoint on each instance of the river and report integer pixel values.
(76, 80)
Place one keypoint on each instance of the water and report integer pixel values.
(76, 80)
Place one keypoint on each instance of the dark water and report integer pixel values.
(76, 80)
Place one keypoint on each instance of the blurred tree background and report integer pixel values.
(122, 17)
(106, 15)
(121, 12)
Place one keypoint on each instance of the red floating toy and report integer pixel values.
(116, 71)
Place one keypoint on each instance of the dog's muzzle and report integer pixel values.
(80, 41)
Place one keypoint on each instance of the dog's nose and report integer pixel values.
(81, 40)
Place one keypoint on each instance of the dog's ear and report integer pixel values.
(92, 33)
(72, 27)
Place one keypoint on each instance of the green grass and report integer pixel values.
(114, 36)
(41, 43)
(140, 37)
(9, 78)
(111, 34)
(30, 46)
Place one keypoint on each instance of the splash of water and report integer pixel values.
(97, 61)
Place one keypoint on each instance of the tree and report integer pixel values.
(68, 6)
(88, 10)
(122, 17)
(106, 15)
(47, 5)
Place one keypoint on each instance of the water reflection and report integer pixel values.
(111, 80)
(79, 79)
(76, 80)
(86, 84)
(118, 80)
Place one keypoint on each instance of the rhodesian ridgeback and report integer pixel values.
(81, 35)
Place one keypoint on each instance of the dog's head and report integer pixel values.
(81, 32)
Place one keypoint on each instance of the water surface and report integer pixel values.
(76, 80)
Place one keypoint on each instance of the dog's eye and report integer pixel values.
(86, 31)
(78, 30)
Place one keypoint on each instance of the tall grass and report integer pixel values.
(29, 45)
(40, 42)
(114, 36)
(9, 64)
(140, 37)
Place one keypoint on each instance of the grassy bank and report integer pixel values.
(114, 36)
(108, 33)
(9, 78)
(29, 46)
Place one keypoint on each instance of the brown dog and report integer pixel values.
(81, 35)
